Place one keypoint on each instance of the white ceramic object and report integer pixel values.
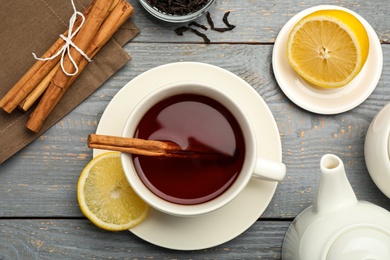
(377, 150)
(321, 100)
(337, 225)
(262, 168)
(227, 222)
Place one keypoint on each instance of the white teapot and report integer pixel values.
(377, 150)
(337, 225)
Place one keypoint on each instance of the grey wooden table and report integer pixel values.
(39, 214)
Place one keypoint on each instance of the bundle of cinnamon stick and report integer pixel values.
(46, 80)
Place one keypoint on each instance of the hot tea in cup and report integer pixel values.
(195, 122)
(202, 119)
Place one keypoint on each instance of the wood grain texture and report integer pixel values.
(39, 214)
(44, 175)
(257, 21)
(78, 239)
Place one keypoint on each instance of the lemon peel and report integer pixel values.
(328, 48)
(106, 198)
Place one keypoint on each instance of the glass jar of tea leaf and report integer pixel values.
(176, 11)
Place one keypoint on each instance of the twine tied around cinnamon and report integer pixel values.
(68, 43)
(44, 80)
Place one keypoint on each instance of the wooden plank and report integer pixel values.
(39, 215)
(256, 21)
(79, 239)
(40, 181)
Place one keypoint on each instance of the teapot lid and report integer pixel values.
(365, 242)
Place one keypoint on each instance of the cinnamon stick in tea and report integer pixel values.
(151, 147)
(132, 145)
(97, 36)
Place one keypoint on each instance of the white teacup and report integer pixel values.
(252, 167)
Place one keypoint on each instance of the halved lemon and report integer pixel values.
(328, 48)
(106, 198)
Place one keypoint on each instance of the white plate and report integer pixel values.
(230, 221)
(319, 100)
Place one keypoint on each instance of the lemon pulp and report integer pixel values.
(328, 48)
(106, 198)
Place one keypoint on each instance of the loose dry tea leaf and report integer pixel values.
(210, 21)
(198, 25)
(180, 30)
(178, 7)
(224, 19)
(204, 36)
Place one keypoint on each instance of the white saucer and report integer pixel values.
(319, 100)
(230, 221)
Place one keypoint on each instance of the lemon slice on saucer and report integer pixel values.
(328, 48)
(106, 198)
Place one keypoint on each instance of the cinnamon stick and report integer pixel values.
(97, 32)
(38, 90)
(29, 81)
(119, 14)
(151, 147)
(42, 86)
(117, 17)
(132, 145)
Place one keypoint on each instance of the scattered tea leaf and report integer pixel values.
(204, 36)
(210, 20)
(198, 25)
(180, 30)
(225, 20)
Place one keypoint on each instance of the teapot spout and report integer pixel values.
(334, 190)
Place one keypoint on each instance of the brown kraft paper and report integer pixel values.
(33, 26)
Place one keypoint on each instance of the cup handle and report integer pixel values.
(269, 170)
